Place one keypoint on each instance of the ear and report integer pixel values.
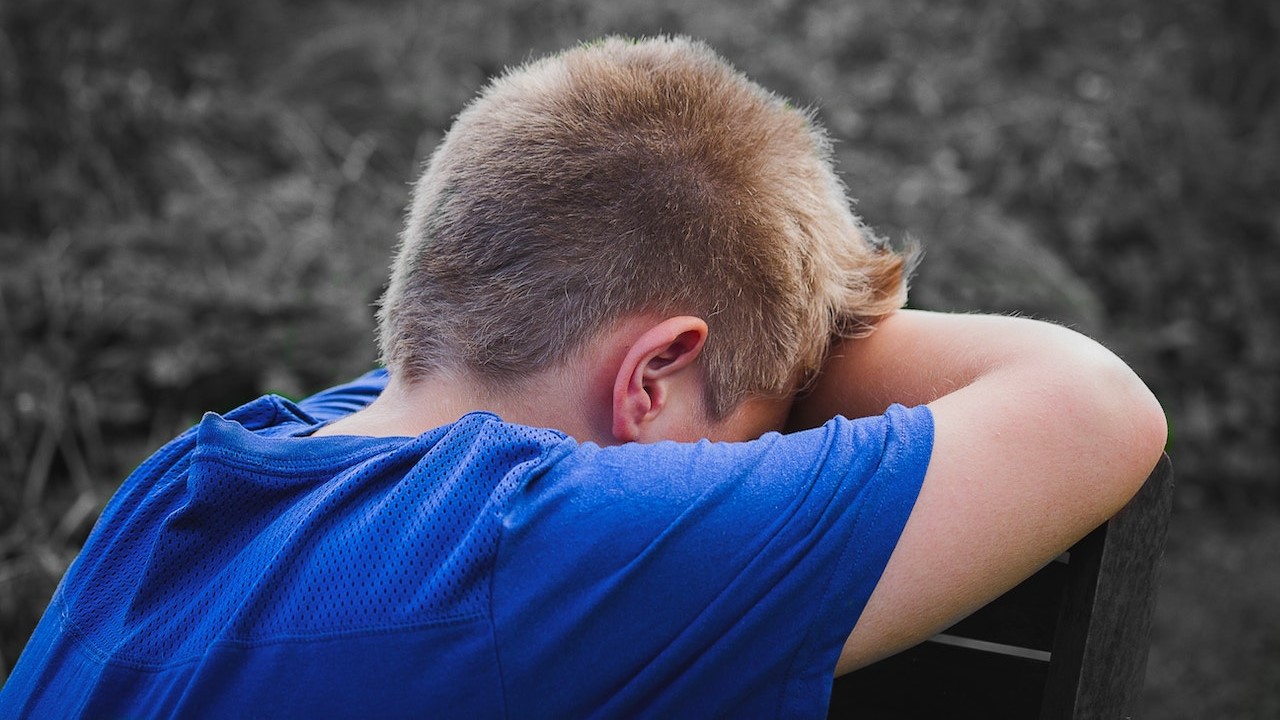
(657, 361)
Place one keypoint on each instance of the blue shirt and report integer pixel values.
(482, 569)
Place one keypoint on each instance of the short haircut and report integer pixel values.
(622, 177)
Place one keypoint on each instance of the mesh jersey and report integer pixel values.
(482, 569)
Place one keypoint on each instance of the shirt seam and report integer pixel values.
(850, 553)
(543, 454)
(82, 640)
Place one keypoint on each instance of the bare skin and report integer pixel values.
(1040, 435)
(639, 383)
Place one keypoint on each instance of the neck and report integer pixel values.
(559, 400)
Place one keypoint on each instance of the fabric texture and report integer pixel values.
(482, 569)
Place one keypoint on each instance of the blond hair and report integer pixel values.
(622, 177)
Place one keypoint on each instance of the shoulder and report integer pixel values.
(710, 502)
(900, 440)
(748, 563)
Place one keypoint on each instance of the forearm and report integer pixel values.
(900, 362)
(916, 357)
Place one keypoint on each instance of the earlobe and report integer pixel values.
(656, 359)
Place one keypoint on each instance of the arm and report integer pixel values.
(1040, 435)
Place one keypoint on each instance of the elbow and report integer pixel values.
(1151, 428)
(1118, 428)
(1136, 428)
(1156, 423)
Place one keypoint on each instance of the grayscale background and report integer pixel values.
(198, 202)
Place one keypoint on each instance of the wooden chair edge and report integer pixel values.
(1104, 625)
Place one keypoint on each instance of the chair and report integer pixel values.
(1069, 642)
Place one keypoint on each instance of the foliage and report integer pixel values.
(198, 200)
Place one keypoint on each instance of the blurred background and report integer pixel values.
(198, 201)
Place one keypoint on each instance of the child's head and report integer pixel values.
(620, 178)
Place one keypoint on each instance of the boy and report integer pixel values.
(566, 497)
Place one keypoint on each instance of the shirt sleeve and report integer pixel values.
(346, 398)
(707, 579)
